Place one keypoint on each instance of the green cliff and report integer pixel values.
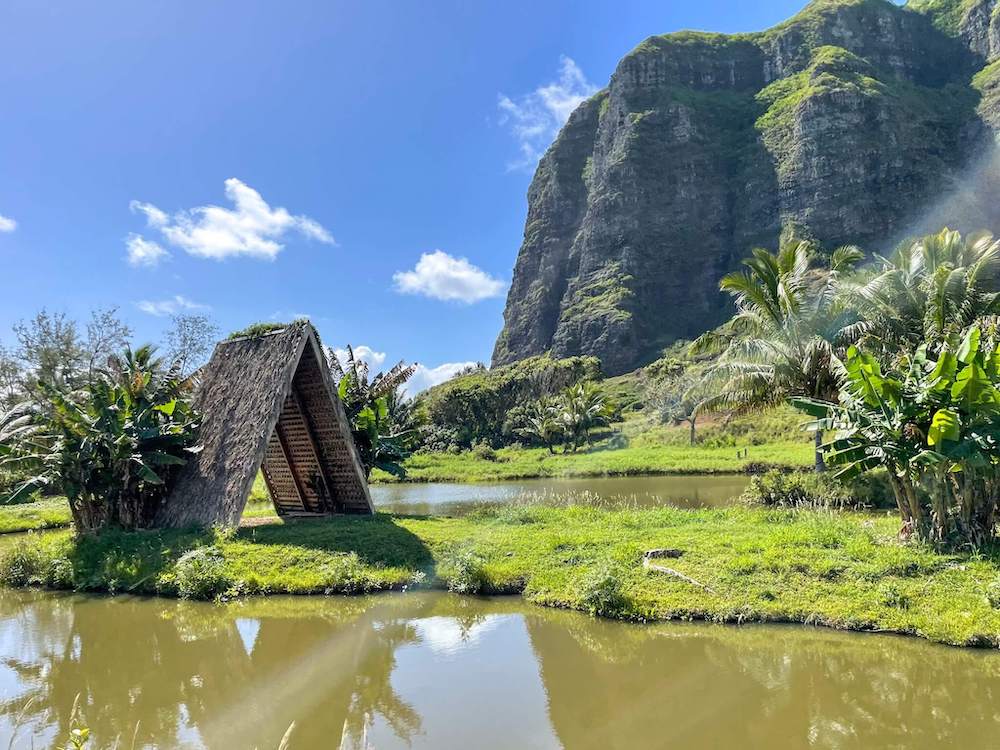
(851, 122)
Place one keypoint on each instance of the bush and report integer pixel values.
(600, 593)
(60, 573)
(438, 439)
(475, 406)
(776, 488)
(484, 451)
(465, 572)
(201, 574)
(993, 593)
(890, 595)
(23, 564)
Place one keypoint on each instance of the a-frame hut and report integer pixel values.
(269, 402)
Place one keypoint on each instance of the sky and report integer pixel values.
(364, 164)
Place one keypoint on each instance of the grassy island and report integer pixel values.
(602, 460)
(844, 570)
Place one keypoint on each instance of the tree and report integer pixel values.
(380, 441)
(930, 290)
(11, 379)
(49, 348)
(190, 340)
(782, 340)
(933, 424)
(106, 335)
(677, 397)
(110, 446)
(541, 422)
(581, 408)
(52, 351)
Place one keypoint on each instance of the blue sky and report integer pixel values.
(367, 162)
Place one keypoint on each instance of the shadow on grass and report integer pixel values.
(376, 540)
(130, 561)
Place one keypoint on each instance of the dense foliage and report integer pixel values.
(918, 395)
(782, 340)
(900, 358)
(823, 490)
(109, 446)
(492, 405)
(55, 352)
(379, 415)
(567, 418)
(934, 425)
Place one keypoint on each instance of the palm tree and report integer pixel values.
(583, 407)
(928, 291)
(781, 341)
(541, 422)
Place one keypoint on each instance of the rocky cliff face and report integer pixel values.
(846, 123)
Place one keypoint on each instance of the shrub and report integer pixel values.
(993, 593)
(60, 573)
(808, 489)
(465, 572)
(201, 574)
(484, 451)
(23, 564)
(600, 593)
(890, 595)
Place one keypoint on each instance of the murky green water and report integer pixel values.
(437, 671)
(454, 499)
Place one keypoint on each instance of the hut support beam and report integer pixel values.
(331, 501)
(291, 466)
(271, 491)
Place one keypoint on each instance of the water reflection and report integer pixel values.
(432, 670)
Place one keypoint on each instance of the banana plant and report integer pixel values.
(933, 424)
(374, 408)
(111, 446)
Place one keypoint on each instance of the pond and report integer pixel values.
(697, 491)
(433, 670)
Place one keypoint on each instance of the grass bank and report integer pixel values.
(844, 571)
(50, 513)
(601, 460)
(639, 445)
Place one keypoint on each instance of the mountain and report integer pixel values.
(856, 121)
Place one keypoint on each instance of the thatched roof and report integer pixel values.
(268, 402)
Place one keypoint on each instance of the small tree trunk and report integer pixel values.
(818, 443)
(916, 512)
(902, 504)
(691, 421)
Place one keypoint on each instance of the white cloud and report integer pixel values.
(535, 118)
(7, 224)
(423, 377)
(251, 228)
(447, 636)
(445, 277)
(172, 306)
(428, 377)
(364, 353)
(143, 252)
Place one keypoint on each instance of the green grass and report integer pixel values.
(44, 514)
(523, 463)
(53, 512)
(844, 571)
(774, 438)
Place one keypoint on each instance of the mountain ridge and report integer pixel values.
(841, 124)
